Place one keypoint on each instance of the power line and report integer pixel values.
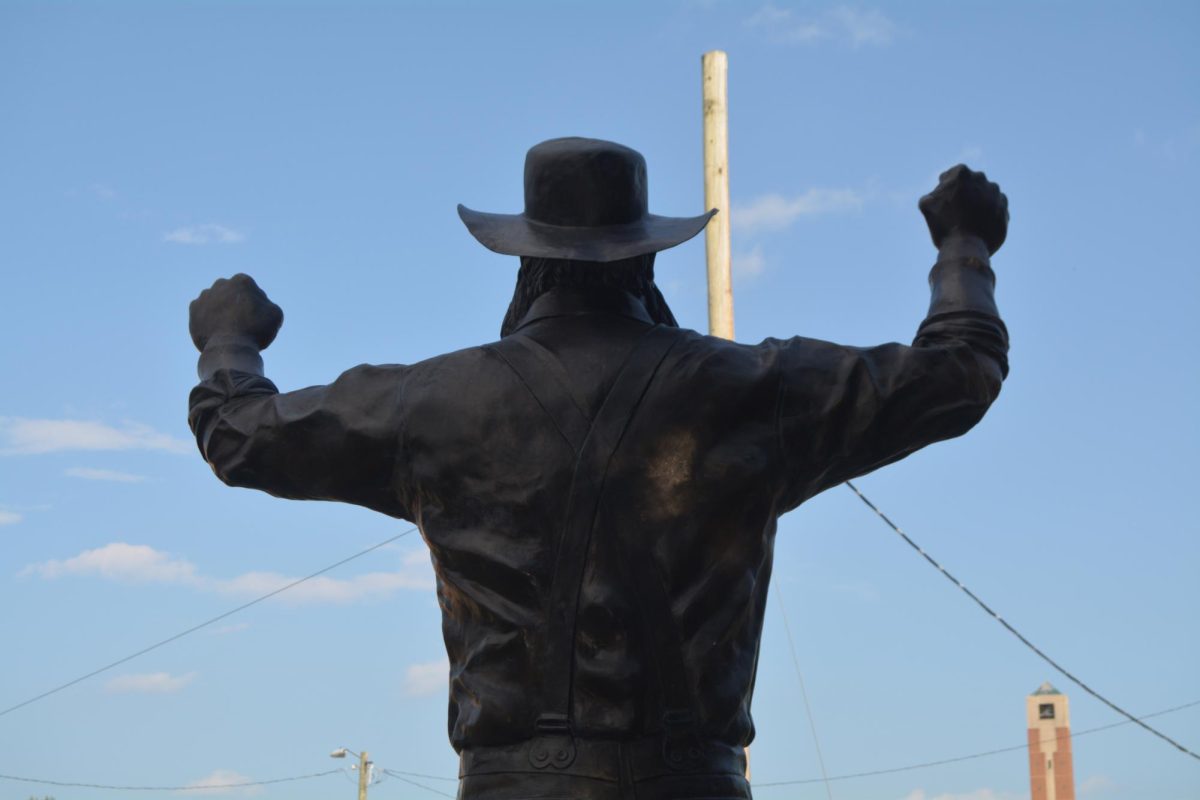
(803, 693)
(396, 773)
(1017, 633)
(956, 759)
(193, 787)
(205, 624)
(400, 777)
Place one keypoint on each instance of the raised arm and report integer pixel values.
(847, 410)
(336, 442)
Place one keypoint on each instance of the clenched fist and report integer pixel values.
(236, 308)
(966, 202)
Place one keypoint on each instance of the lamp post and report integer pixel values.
(364, 765)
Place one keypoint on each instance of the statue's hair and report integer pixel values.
(539, 275)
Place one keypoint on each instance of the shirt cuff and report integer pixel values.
(962, 279)
(229, 353)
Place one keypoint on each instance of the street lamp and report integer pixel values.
(364, 768)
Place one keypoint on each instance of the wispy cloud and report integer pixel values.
(223, 781)
(210, 233)
(1181, 143)
(139, 563)
(863, 591)
(978, 794)
(99, 191)
(776, 211)
(853, 26)
(89, 474)
(149, 683)
(9, 517)
(970, 154)
(103, 192)
(428, 678)
(119, 561)
(225, 630)
(1096, 784)
(749, 264)
(22, 436)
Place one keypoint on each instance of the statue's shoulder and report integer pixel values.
(468, 365)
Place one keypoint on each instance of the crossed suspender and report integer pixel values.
(594, 442)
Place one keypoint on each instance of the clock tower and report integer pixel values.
(1051, 772)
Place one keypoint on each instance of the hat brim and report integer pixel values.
(517, 235)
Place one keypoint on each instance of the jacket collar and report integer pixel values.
(565, 301)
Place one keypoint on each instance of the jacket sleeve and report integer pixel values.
(845, 411)
(337, 442)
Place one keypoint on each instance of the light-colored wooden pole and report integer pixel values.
(714, 67)
(714, 71)
(364, 766)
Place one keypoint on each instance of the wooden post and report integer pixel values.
(714, 69)
(364, 766)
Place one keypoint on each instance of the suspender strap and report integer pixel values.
(547, 381)
(553, 744)
(682, 746)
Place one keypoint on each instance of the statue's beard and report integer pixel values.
(540, 275)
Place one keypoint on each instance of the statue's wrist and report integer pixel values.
(962, 279)
(963, 246)
(231, 340)
(229, 351)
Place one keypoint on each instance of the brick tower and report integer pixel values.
(1051, 773)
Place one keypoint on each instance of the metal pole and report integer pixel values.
(363, 764)
(714, 69)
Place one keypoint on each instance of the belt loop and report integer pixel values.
(554, 742)
(682, 749)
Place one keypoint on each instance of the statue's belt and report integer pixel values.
(606, 760)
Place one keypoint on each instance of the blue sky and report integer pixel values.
(322, 148)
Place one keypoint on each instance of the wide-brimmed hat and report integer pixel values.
(585, 200)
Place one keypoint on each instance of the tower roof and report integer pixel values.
(1046, 688)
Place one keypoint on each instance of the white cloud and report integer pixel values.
(139, 563)
(89, 474)
(978, 794)
(428, 678)
(749, 264)
(856, 27)
(9, 517)
(118, 561)
(204, 234)
(775, 211)
(22, 436)
(868, 26)
(1095, 784)
(322, 589)
(863, 591)
(99, 191)
(783, 26)
(224, 630)
(223, 781)
(149, 683)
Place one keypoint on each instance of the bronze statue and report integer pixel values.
(599, 488)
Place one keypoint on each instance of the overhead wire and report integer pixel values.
(193, 788)
(812, 725)
(404, 776)
(998, 751)
(1062, 670)
(398, 772)
(204, 624)
(400, 777)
